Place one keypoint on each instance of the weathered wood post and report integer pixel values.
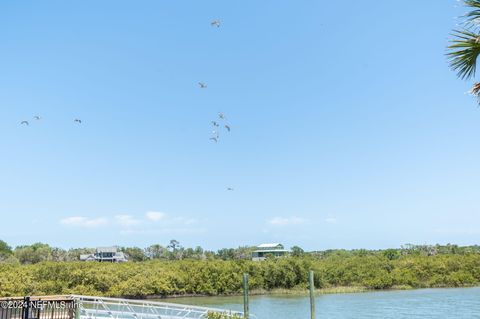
(312, 294)
(245, 297)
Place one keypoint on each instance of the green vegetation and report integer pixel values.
(220, 315)
(164, 274)
(465, 47)
(39, 252)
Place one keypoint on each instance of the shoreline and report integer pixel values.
(297, 292)
(264, 292)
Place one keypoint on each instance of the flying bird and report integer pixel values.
(78, 121)
(202, 85)
(215, 124)
(227, 127)
(214, 139)
(24, 122)
(221, 116)
(215, 23)
(229, 189)
(37, 117)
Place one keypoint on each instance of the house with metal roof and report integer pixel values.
(265, 250)
(105, 254)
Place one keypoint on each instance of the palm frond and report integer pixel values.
(472, 18)
(464, 52)
(472, 3)
(475, 90)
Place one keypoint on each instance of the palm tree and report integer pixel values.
(465, 45)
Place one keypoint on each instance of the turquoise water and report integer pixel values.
(424, 303)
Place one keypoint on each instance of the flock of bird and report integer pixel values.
(38, 118)
(218, 124)
(221, 122)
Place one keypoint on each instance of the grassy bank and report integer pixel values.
(218, 277)
(305, 292)
(276, 292)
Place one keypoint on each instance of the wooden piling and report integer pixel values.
(246, 308)
(312, 294)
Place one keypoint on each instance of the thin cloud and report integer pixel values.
(165, 231)
(81, 221)
(331, 220)
(127, 220)
(169, 220)
(183, 221)
(457, 231)
(286, 221)
(156, 223)
(150, 223)
(156, 216)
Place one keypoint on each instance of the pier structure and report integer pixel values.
(91, 307)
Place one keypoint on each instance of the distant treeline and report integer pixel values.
(39, 252)
(409, 267)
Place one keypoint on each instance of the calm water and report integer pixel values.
(426, 303)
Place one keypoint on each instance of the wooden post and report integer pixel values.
(245, 297)
(312, 294)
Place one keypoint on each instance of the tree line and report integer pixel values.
(38, 252)
(162, 278)
(174, 270)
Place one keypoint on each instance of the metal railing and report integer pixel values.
(114, 308)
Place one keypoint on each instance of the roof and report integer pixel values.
(271, 250)
(87, 256)
(269, 245)
(107, 249)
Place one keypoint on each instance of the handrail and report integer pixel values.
(93, 307)
(117, 308)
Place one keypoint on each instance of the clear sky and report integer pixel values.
(348, 128)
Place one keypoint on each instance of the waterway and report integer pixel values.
(423, 303)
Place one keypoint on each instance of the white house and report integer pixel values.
(264, 250)
(105, 254)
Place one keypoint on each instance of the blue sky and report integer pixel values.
(348, 128)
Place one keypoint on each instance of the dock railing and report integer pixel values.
(116, 308)
(91, 307)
